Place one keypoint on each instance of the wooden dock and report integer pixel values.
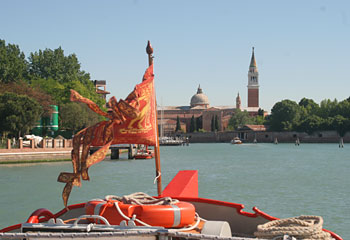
(115, 150)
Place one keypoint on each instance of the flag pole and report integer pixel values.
(149, 51)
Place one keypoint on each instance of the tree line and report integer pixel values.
(308, 116)
(28, 86)
(305, 116)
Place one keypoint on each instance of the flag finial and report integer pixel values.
(149, 51)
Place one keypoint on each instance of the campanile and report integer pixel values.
(253, 83)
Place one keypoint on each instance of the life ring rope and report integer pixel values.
(140, 198)
(147, 225)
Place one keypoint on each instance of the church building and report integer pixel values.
(204, 114)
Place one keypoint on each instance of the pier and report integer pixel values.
(115, 150)
(52, 150)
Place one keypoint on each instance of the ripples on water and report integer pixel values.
(283, 180)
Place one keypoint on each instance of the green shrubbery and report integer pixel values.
(46, 78)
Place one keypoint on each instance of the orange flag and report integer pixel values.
(132, 120)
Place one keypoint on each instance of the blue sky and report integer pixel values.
(301, 47)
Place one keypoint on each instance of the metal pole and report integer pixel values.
(149, 51)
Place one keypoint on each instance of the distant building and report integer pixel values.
(253, 84)
(203, 113)
(100, 86)
(199, 100)
(238, 102)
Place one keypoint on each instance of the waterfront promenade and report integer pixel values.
(47, 150)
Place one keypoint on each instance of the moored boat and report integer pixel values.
(168, 141)
(144, 153)
(236, 140)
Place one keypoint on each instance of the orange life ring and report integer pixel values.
(175, 215)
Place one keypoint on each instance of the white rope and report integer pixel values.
(147, 225)
(303, 227)
(156, 178)
(141, 198)
(188, 228)
(127, 218)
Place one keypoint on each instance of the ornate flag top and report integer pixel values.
(132, 120)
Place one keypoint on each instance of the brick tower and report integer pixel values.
(253, 83)
(238, 102)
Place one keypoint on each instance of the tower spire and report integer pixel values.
(252, 60)
(199, 90)
(253, 83)
(238, 101)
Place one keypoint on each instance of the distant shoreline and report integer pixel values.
(249, 136)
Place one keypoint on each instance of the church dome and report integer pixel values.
(199, 99)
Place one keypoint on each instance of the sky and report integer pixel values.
(301, 47)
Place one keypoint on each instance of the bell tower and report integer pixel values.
(253, 83)
(238, 102)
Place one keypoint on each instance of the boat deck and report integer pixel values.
(142, 235)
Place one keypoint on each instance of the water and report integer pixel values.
(282, 180)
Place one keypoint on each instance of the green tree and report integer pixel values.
(239, 119)
(13, 65)
(76, 116)
(19, 113)
(341, 125)
(261, 112)
(343, 109)
(199, 123)
(192, 124)
(328, 108)
(178, 125)
(22, 88)
(54, 64)
(216, 123)
(56, 74)
(310, 106)
(311, 124)
(57, 91)
(285, 116)
(212, 124)
(259, 120)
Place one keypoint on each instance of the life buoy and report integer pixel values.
(175, 215)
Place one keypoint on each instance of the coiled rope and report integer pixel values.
(140, 198)
(302, 227)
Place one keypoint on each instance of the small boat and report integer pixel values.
(177, 212)
(144, 153)
(236, 140)
(168, 141)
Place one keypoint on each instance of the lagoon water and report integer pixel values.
(282, 180)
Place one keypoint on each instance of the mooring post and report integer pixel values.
(115, 153)
(131, 154)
